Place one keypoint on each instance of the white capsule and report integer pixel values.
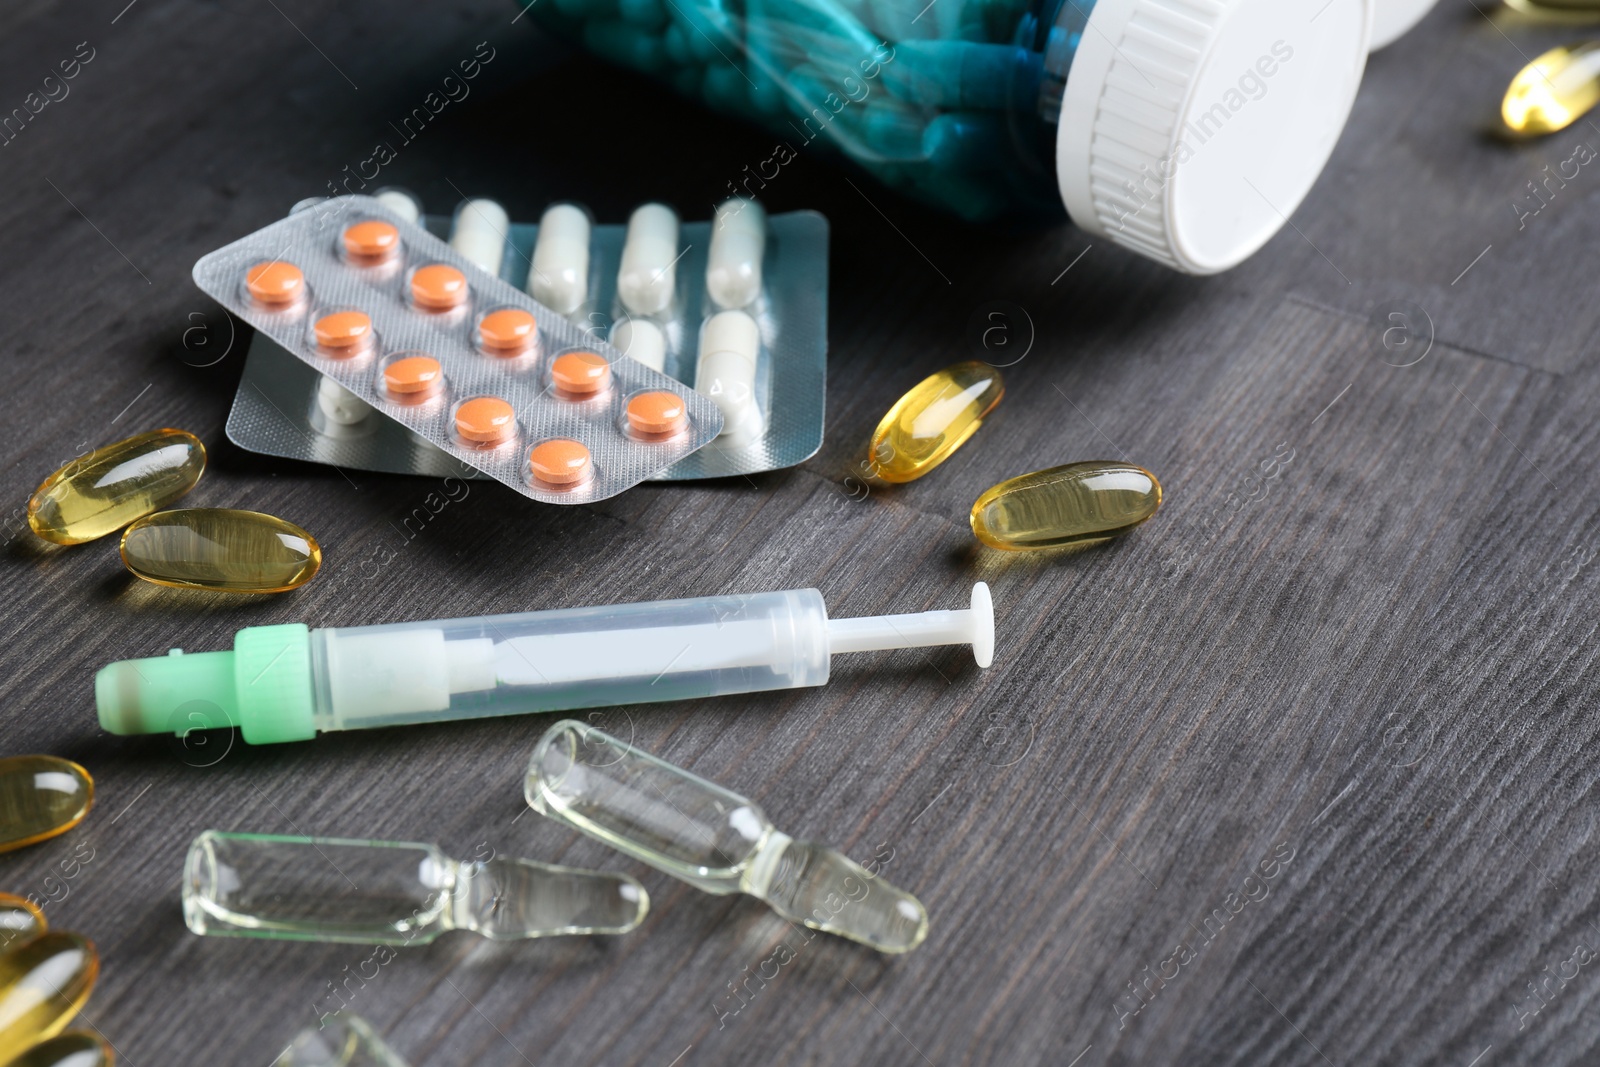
(401, 203)
(559, 276)
(738, 241)
(479, 233)
(339, 404)
(730, 343)
(649, 258)
(641, 340)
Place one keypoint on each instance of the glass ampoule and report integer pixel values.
(344, 1040)
(712, 838)
(391, 893)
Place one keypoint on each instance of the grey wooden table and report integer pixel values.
(1300, 773)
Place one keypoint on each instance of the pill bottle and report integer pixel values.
(1186, 130)
(1393, 19)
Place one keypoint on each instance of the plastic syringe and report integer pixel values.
(289, 682)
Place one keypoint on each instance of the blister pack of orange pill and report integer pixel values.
(405, 323)
(735, 306)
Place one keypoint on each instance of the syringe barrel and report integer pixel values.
(539, 661)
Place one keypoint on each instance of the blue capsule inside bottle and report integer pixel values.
(954, 102)
(1187, 132)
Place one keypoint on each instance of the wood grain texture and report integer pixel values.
(1356, 650)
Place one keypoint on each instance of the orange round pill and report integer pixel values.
(275, 282)
(413, 376)
(560, 462)
(438, 286)
(508, 329)
(580, 373)
(657, 414)
(343, 329)
(372, 239)
(485, 420)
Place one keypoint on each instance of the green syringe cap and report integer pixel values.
(263, 686)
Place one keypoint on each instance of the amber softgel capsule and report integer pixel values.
(1555, 90)
(1072, 505)
(19, 920)
(43, 983)
(928, 424)
(102, 492)
(75, 1048)
(40, 797)
(222, 549)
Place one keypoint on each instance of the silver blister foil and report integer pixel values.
(311, 240)
(276, 411)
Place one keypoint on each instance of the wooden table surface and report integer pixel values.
(1307, 759)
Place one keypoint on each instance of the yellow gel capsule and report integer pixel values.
(220, 548)
(19, 920)
(1555, 90)
(102, 492)
(1069, 505)
(75, 1048)
(43, 983)
(40, 797)
(933, 420)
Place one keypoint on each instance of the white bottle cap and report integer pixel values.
(1394, 17)
(1190, 133)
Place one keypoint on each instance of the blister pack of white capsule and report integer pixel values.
(395, 320)
(735, 306)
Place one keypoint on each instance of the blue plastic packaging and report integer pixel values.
(1185, 130)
